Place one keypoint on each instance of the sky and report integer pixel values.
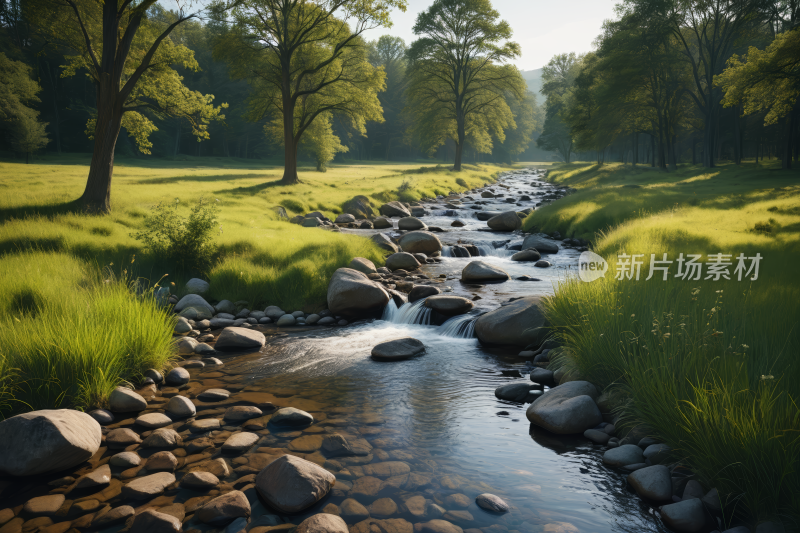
(543, 28)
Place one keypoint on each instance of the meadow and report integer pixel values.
(708, 366)
(74, 325)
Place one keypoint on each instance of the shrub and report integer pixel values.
(186, 242)
(462, 182)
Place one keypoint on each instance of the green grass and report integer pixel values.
(710, 367)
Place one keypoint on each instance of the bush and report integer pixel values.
(462, 182)
(186, 242)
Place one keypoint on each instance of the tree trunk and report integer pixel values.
(635, 148)
(177, 137)
(97, 195)
(786, 162)
(57, 121)
(708, 143)
(652, 151)
(462, 135)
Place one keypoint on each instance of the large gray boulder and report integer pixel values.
(397, 349)
(394, 209)
(197, 286)
(543, 245)
(352, 294)
(402, 260)
(411, 224)
(240, 339)
(627, 454)
(514, 392)
(291, 484)
(567, 409)
(508, 221)
(195, 307)
(362, 265)
(345, 218)
(384, 242)
(382, 223)
(225, 509)
(422, 242)
(519, 323)
(687, 516)
(531, 254)
(49, 440)
(422, 291)
(652, 482)
(122, 400)
(359, 206)
(482, 271)
(449, 305)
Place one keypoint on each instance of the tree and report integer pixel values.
(303, 62)
(389, 53)
(558, 78)
(459, 79)
(125, 48)
(20, 122)
(29, 134)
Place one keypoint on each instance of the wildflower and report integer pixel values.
(667, 335)
(633, 316)
(763, 377)
(745, 346)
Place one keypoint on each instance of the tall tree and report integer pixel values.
(459, 73)
(558, 78)
(128, 54)
(17, 119)
(304, 59)
(389, 53)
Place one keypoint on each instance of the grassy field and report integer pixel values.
(71, 331)
(710, 367)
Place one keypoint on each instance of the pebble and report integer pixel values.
(122, 438)
(206, 424)
(103, 416)
(289, 416)
(100, 476)
(177, 376)
(493, 503)
(213, 395)
(242, 412)
(224, 509)
(162, 438)
(148, 486)
(181, 406)
(382, 508)
(114, 516)
(152, 521)
(199, 481)
(240, 442)
(162, 461)
(154, 374)
(154, 420)
(43, 505)
(125, 460)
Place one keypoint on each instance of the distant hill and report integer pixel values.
(534, 79)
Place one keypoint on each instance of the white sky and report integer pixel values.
(543, 28)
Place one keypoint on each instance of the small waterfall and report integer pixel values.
(409, 313)
(460, 327)
(486, 249)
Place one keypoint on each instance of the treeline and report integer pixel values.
(674, 81)
(212, 87)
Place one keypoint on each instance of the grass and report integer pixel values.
(709, 367)
(68, 337)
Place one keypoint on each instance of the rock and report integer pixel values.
(542, 245)
(224, 509)
(274, 312)
(199, 481)
(526, 255)
(177, 376)
(686, 516)
(102, 416)
(653, 483)
(326, 321)
(422, 242)
(125, 460)
(363, 265)
(221, 322)
(161, 461)
(44, 505)
(384, 242)
(289, 416)
(712, 501)
(114, 516)
(542, 376)
(394, 209)
(411, 224)
(397, 349)
(481, 271)
(225, 306)
(542, 264)
(519, 323)
(493, 503)
(197, 286)
(514, 392)
(345, 218)
(458, 223)
(122, 400)
(352, 294)
(626, 454)
(48, 440)
(352, 511)
(566, 409)
(291, 484)
(311, 222)
(322, 523)
(152, 521)
(240, 339)
(240, 442)
(693, 489)
(202, 309)
(508, 221)
(449, 305)
(657, 453)
(382, 223)
(242, 412)
(186, 345)
(596, 436)
(422, 291)
(148, 486)
(286, 321)
(162, 438)
(213, 395)
(359, 206)
(402, 261)
(438, 526)
(382, 508)
(120, 438)
(154, 374)
(181, 406)
(182, 327)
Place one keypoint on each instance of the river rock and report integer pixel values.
(437, 526)
(402, 261)
(449, 305)
(626, 454)
(48, 440)
(197, 286)
(514, 392)
(291, 484)
(508, 221)
(201, 308)
(199, 481)
(224, 509)
(382, 223)
(44, 505)
(102, 416)
(493, 503)
(687, 516)
(162, 461)
(177, 376)
(274, 312)
(225, 306)
(125, 460)
(542, 376)
(290, 416)
(482, 271)
(182, 327)
(186, 345)
(520, 323)
(411, 224)
(123, 400)
(213, 395)
(240, 339)
(240, 442)
(352, 294)
(652, 482)
(352, 511)
(242, 412)
(181, 406)
(597, 436)
(422, 242)
(162, 438)
(286, 321)
(153, 420)
(363, 265)
(657, 453)
(148, 486)
(397, 349)
(541, 244)
(217, 322)
(422, 291)
(121, 438)
(394, 209)
(151, 521)
(567, 409)
(359, 206)
(322, 523)
(384, 242)
(345, 218)
(527, 255)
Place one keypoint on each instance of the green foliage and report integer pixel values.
(17, 120)
(29, 133)
(185, 241)
(558, 77)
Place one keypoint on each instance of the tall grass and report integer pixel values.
(71, 335)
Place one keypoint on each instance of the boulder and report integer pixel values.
(43, 505)
(422, 291)
(686, 516)
(542, 376)
(520, 323)
(363, 265)
(186, 345)
(49, 440)
(397, 349)
(352, 294)
(226, 306)
(202, 309)
(181, 407)
(508, 221)
(402, 261)
(626, 454)
(420, 242)
(151, 521)
(382, 223)
(122, 400)
(274, 312)
(197, 286)
(199, 481)
(359, 206)
(146, 487)
(449, 305)
(411, 224)
(531, 254)
(177, 376)
(492, 503)
(225, 509)
(394, 209)
(481, 271)
(311, 222)
(541, 244)
(322, 523)
(291, 484)
(514, 392)
(290, 416)
(652, 482)
(240, 442)
(345, 218)
(567, 409)
(384, 242)
(240, 339)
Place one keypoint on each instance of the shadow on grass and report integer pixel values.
(45, 210)
(188, 177)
